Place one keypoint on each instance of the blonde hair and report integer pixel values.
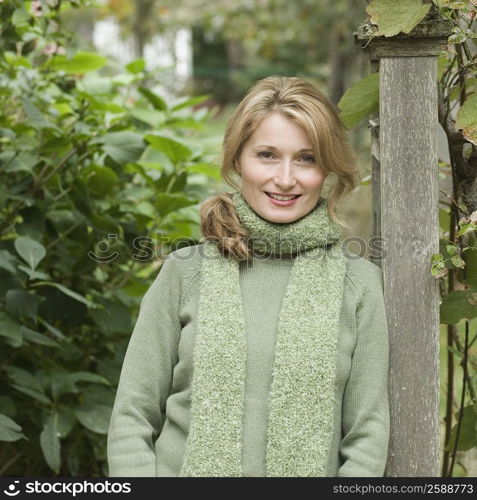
(302, 102)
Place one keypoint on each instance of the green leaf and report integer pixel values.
(184, 123)
(38, 338)
(123, 147)
(24, 161)
(466, 119)
(190, 101)
(57, 333)
(145, 208)
(10, 430)
(105, 223)
(66, 421)
(33, 224)
(466, 228)
(457, 261)
(88, 377)
(61, 383)
(32, 393)
(136, 66)
(443, 243)
(68, 292)
(20, 17)
(30, 250)
(157, 101)
(21, 61)
(36, 118)
(101, 181)
(10, 328)
(34, 275)
(96, 85)
(152, 156)
(106, 106)
(100, 394)
(457, 38)
(458, 305)
(468, 430)
(81, 62)
(95, 417)
(20, 303)
(359, 100)
(135, 193)
(114, 317)
(21, 377)
(208, 169)
(151, 117)
(50, 442)
(395, 16)
(167, 203)
(151, 166)
(124, 79)
(451, 249)
(172, 148)
(8, 261)
(438, 268)
(63, 219)
(27, 383)
(172, 183)
(63, 110)
(6, 157)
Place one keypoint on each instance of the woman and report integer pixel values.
(262, 351)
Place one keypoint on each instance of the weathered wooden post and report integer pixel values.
(405, 189)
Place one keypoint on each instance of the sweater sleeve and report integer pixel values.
(146, 378)
(365, 418)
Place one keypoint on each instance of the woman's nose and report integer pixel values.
(285, 177)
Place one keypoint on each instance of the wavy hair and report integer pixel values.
(302, 102)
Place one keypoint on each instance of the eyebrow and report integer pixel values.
(275, 149)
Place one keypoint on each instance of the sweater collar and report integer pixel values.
(315, 229)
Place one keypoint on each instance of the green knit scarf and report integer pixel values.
(302, 394)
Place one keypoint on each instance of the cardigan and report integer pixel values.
(151, 414)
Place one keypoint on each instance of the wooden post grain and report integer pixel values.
(405, 209)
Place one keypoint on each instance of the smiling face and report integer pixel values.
(278, 159)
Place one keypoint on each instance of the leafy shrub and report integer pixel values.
(95, 168)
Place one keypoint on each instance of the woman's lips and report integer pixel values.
(282, 203)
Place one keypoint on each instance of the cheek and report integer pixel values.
(315, 179)
(251, 172)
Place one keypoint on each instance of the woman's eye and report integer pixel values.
(267, 155)
(263, 154)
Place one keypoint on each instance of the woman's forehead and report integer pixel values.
(275, 129)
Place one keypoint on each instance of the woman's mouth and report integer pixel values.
(282, 200)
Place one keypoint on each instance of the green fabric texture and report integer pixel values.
(301, 400)
(151, 415)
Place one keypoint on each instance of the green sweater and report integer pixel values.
(151, 415)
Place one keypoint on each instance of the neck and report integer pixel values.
(315, 229)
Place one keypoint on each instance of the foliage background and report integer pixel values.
(102, 173)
